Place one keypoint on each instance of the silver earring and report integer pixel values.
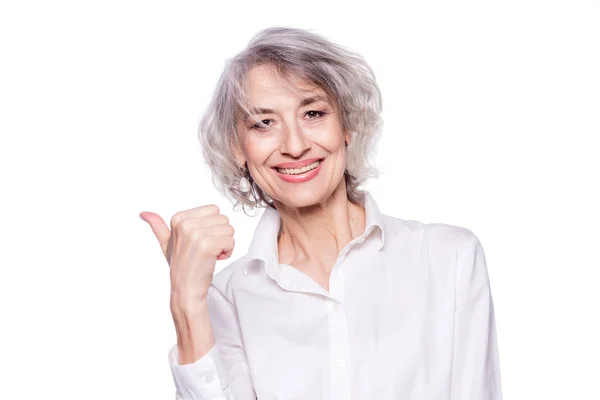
(244, 184)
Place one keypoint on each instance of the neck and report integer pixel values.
(314, 236)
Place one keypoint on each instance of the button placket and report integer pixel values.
(339, 338)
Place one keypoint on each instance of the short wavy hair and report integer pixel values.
(294, 53)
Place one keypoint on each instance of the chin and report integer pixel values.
(303, 197)
(308, 193)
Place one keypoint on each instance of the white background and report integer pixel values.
(492, 115)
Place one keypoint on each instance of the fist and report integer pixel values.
(195, 241)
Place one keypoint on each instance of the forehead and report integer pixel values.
(265, 82)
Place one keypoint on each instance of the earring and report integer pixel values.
(244, 184)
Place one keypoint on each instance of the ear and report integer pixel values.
(347, 137)
(238, 154)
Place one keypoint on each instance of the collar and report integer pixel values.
(263, 246)
(374, 219)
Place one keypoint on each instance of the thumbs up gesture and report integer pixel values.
(197, 238)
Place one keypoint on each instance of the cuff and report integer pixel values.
(203, 379)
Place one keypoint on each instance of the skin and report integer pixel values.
(318, 220)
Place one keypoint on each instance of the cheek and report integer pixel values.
(258, 149)
(330, 136)
(336, 145)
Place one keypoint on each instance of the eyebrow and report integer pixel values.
(304, 102)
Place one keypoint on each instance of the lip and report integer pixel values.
(297, 164)
(306, 176)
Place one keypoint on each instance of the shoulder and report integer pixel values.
(432, 236)
(452, 252)
(224, 280)
(438, 231)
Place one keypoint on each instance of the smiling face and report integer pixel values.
(297, 155)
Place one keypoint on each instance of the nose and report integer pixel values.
(294, 142)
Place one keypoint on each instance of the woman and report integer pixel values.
(334, 300)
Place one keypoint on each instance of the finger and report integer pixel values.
(196, 212)
(224, 256)
(220, 230)
(159, 227)
(212, 220)
(221, 245)
(208, 222)
(226, 253)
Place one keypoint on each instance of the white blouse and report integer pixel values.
(409, 315)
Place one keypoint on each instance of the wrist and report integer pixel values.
(194, 333)
(188, 306)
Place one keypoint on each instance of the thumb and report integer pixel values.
(159, 227)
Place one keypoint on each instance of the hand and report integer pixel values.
(197, 239)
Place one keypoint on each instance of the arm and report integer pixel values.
(222, 370)
(476, 366)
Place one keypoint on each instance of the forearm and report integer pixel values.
(201, 368)
(194, 331)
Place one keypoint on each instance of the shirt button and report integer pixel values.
(335, 306)
(341, 363)
(209, 378)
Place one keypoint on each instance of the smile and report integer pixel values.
(298, 171)
(299, 175)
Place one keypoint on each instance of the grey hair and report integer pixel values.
(343, 75)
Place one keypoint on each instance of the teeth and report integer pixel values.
(296, 171)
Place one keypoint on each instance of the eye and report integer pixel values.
(266, 122)
(314, 114)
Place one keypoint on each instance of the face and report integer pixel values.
(298, 155)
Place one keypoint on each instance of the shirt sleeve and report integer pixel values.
(476, 366)
(222, 373)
